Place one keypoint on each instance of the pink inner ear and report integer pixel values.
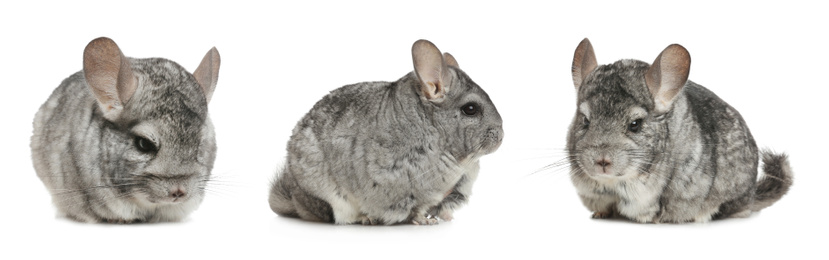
(668, 75)
(127, 83)
(430, 69)
(109, 75)
(432, 90)
(207, 74)
(584, 62)
(450, 60)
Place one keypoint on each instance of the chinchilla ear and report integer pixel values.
(584, 62)
(109, 74)
(207, 74)
(431, 70)
(450, 60)
(668, 74)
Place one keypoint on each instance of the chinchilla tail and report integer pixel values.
(280, 196)
(776, 181)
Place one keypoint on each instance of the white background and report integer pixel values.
(278, 59)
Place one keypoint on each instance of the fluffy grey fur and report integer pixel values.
(651, 146)
(127, 157)
(389, 152)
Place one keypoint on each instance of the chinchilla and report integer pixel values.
(390, 152)
(650, 145)
(127, 140)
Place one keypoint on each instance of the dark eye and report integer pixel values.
(145, 146)
(586, 122)
(470, 109)
(635, 126)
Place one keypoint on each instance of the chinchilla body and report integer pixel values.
(141, 151)
(386, 152)
(652, 146)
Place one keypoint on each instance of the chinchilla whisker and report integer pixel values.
(561, 161)
(576, 171)
(59, 176)
(219, 192)
(67, 191)
(223, 176)
(221, 182)
(218, 186)
(535, 158)
(221, 186)
(545, 168)
(96, 201)
(543, 155)
(544, 149)
(556, 167)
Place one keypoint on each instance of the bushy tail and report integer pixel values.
(287, 199)
(280, 196)
(776, 181)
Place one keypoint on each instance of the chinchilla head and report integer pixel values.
(463, 112)
(157, 140)
(619, 126)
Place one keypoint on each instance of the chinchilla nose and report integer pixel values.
(496, 133)
(604, 163)
(177, 193)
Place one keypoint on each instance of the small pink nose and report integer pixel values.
(604, 163)
(178, 193)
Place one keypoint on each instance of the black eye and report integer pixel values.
(586, 122)
(635, 126)
(470, 109)
(145, 146)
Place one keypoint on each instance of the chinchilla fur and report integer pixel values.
(127, 140)
(390, 152)
(651, 146)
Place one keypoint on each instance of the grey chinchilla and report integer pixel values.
(390, 152)
(648, 144)
(127, 140)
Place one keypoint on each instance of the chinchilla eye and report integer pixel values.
(635, 126)
(585, 122)
(145, 146)
(470, 109)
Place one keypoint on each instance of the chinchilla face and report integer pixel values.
(464, 113)
(614, 131)
(473, 124)
(161, 146)
(129, 139)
